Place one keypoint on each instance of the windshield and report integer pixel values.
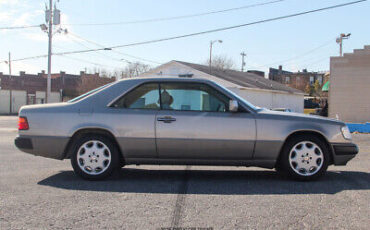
(89, 93)
(240, 98)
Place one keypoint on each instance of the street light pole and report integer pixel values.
(210, 53)
(210, 56)
(243, 63)
(10, 84)
(50, 34)
(340, 42)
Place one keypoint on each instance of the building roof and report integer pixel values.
(245, 79)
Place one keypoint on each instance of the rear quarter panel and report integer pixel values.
(48, 128)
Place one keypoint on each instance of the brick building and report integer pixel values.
(68, 85)
(298, 80)
(26, 89)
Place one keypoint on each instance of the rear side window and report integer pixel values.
(89, 93)
(143, 97)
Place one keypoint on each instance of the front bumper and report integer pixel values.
(344, 152)
(45, 146)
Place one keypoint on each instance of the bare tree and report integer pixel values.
(221, 62)
(101, 71)
(133, 69)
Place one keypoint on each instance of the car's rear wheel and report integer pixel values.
(94, 157)
(305, 158)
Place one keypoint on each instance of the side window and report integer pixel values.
(144, 97)
(192, 97)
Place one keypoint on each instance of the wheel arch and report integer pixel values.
(307, 132)
(88, 131)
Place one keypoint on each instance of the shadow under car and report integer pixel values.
(221, 182)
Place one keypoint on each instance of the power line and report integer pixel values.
(90, 62)
(207, 31)
(83, 60)
(97, 52)
(298, 56)
(315, 61)
(177, 17)
(114, 51)
(18, 27)
(27, 58)
(153, 19)
(84, 39)
(219, 29)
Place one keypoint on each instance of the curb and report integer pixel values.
(358, 127)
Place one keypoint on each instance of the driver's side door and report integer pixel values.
(194, 123)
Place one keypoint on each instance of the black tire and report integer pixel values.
(114, 157)
(286, 167)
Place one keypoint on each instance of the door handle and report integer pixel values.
(166, 119)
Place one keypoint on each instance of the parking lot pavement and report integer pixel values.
(40, 193)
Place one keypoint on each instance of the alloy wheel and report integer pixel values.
(306, 158)
(93, 157)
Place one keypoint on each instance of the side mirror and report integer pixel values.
(233, 106)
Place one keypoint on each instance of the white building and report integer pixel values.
(254, 88)
(12, 101)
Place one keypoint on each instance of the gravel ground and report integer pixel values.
(40, 193)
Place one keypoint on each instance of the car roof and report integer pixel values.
(166, 79)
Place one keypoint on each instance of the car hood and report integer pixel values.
(299, 115)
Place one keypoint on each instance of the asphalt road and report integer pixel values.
(40, 193)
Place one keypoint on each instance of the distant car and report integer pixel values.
(179, 121)
(310, 107)
(281, 109)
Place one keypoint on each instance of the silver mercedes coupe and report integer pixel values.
(179, 121)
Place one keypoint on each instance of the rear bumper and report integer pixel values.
(344, 152)
(45, 146)
(23, 143)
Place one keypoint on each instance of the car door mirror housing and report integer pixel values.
(233, 106)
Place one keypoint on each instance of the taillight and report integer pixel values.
(23, 123)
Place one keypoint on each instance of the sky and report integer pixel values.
(306, 41)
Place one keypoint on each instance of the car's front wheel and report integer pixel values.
(94, 157)
(305, 158)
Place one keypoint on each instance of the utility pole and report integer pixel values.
(210, 53)
(340, 42)
(10, 84)
(210, 57)
(243, 63)
(49, 17)
(52, 17)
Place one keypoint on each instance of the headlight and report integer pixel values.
(346, 133)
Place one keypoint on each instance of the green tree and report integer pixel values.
(317, 88)
(308, 89)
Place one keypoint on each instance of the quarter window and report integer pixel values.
(192, 97)
(144, 97)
